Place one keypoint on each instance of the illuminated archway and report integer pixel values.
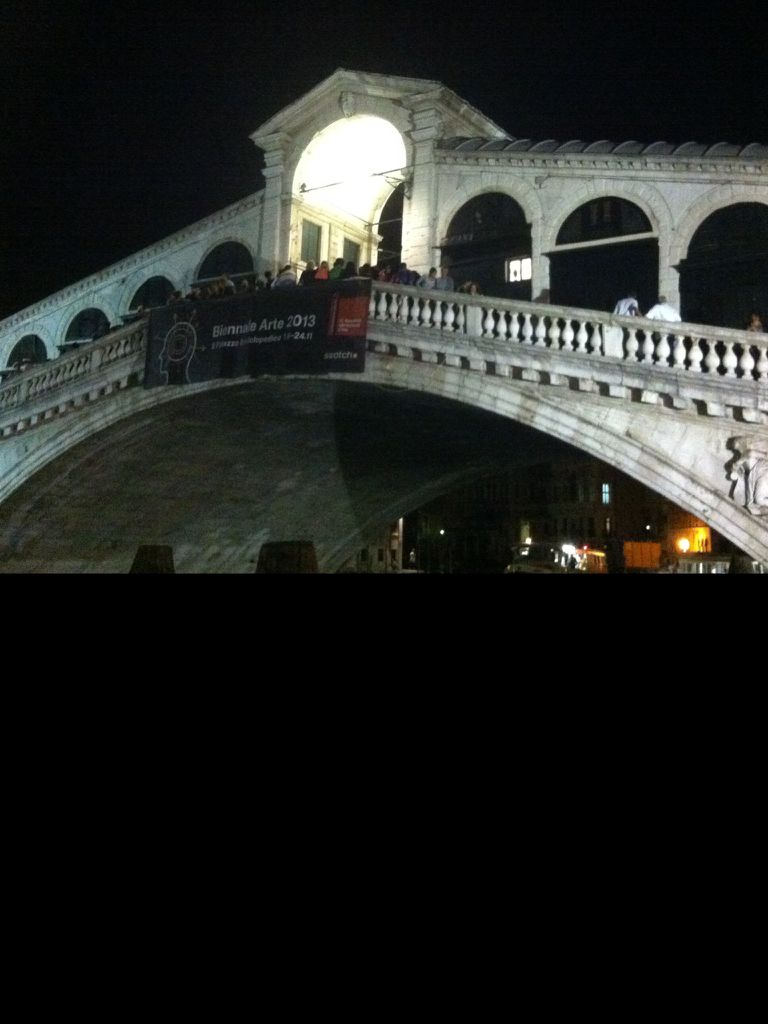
(342, 181)
(725, 275)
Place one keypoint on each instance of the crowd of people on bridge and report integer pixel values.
(227, 286)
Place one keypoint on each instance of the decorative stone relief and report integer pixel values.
(751, 468)
(348, 104)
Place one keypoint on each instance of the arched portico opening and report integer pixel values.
(489, 242)
(232, 258)
(154, 292)
(28, 350)
(88, 325)
(390, 228)
(605, 249)
(725, 274)
(344, 178)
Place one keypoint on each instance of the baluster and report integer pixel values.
(426, 313)
(662, 351)
(596, 340)
(527, 329)
(372, 306)
(730, 359)
(568, 336)
(695, 355)
(514, 328)
(632, 344)
(581, 337)
(449, 317)
(648, 347)
(501, 325)
(554, 333)
(678, 353)
(747, 361)
(712, 362)
(381, 306)
(762, 363)
(488, 323)
(461, 320)
(541, 333)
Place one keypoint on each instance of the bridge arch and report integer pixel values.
(724, 275)
(682, 458)
(627, 439)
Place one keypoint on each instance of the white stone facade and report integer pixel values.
(677, 189)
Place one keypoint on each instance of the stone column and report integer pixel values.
(276, 210)
(420, 211)
(669, 278)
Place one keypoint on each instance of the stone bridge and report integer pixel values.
(683, 408)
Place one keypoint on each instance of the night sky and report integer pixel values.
(124, 123)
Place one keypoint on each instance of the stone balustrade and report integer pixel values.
(477, 332)
(88, 372)
(694, 348)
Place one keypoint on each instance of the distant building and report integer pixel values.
(579, 501)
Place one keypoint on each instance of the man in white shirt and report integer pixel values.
(663, 311)
(627, 307)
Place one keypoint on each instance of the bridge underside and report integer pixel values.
(218, 474)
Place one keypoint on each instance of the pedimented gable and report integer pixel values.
(396, 99)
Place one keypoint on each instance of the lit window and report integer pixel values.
(519, 269)
(606, 492)
(607, 529)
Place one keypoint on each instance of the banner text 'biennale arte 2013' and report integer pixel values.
(319, 329)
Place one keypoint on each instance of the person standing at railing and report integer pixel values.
(755, 323)
(473, 315)
(429, 280)
(663, 311)
(613, 337)
(628, 306)
(444, 283)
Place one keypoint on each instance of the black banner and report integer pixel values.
(318, 329)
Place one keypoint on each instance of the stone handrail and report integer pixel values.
(716, 353)
(694, 348)
(83, 363)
